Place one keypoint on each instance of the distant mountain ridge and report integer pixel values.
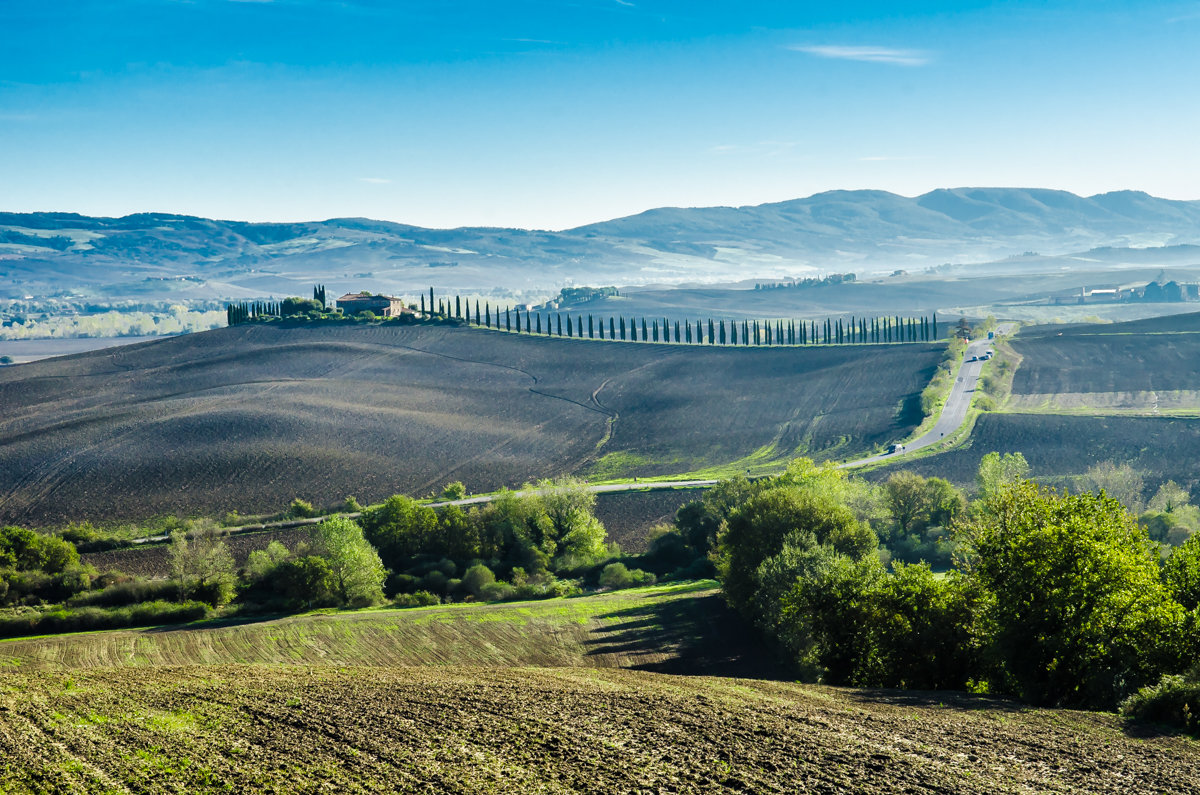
(862, 230)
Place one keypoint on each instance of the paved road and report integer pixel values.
(954, 413)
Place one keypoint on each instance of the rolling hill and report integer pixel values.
(448, 700)
(164, 257)
(248, 417)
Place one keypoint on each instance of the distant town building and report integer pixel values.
(381, 305)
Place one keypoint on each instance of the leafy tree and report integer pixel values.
(356, 572)
(578, 535)
(1077, 613)
(1119, 481)
(26, 550)
(399, 528)
(1169, 497)
(1181, 573)
(261, 563)
(299, 306)
(306, 580)
(907, 499)
(618, 575)
(477, 578)
(454, 491)
(756, 530)
(201, 565)
(996, 471)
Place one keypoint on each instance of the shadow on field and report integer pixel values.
(934, 699)
(700, 636)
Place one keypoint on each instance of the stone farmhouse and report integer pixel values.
(381, 305)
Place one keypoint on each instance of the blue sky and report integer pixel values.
(547, 114)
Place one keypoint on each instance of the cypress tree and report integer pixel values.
(477, 321)
(539, 322)
(935, 334)
(745, 332)
(654, 329)
(508, 320)
(559, 325)
(431, 304)
(756, 340)
(487, 314)
(677, 331)
(422, 303)
(622, 329)
(722, 332)
(579, 326)
(733, 332)
(687, 330)
(699, 333)
(612, 328)
(645, 333)
(779, 332)
(591, 328)
(601, 331)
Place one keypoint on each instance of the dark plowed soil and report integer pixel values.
(1155, 355)
(249, 417)
(1059, 448)
(466, 730)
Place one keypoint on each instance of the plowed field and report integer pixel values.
(464, 730)
(249, 417)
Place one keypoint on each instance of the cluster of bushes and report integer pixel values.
(1054, 598)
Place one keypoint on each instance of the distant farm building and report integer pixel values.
(380, 305)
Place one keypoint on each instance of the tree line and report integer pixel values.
(1050, 597)
(840, 331)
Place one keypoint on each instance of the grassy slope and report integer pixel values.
(467, 715)
(248, 418)
(684, 628)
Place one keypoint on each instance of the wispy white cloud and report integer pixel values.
(889, 158)
(889, 55)
(626, 3)
(375, 180)
(764, 148)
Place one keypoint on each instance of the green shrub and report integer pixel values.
(300, 509)
(454, 491)
(1173, 701)
(418, 599)
(497, 592)
(618, 575)
(127, 592)
(93, 618)
(477, 578)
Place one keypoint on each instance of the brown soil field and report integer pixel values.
(1061, 447)
(1156, 355)
(469, 730)
(629, 515)
(246, 418)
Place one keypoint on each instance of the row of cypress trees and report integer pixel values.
(855, 330)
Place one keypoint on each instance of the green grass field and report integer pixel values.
(674, 628)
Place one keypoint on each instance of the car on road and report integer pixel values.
(896, 448)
